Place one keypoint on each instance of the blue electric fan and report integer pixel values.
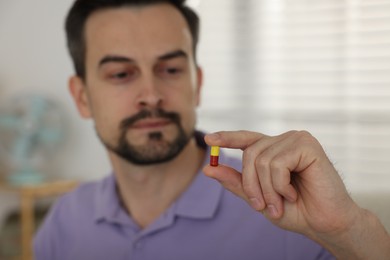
(31, 127)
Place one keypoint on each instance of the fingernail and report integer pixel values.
(255, 203)
(272, 211)
(290, 198)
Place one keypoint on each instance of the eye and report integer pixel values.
(169, 71)
(122, 76)
(173, 70)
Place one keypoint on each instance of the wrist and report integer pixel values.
(364, 237)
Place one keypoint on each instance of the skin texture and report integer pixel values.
(292, 182)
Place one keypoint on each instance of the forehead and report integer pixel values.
(139, 32)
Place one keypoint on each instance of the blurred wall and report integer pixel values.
(253, 78)
(34, 59)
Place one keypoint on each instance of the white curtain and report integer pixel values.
(318, 65)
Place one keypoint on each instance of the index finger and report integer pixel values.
(233, 139)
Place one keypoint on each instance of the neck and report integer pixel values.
(147, 191)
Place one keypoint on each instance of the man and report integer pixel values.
(138, 80)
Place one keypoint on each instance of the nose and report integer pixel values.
(149, 95)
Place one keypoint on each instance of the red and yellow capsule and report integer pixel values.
(214, 155)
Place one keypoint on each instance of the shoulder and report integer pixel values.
(72, 211)
(83, 194)
(80, 201)
(86, 199)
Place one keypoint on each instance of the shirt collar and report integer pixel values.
(200, 200)
(107, 203)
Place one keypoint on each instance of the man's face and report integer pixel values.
(142, 85)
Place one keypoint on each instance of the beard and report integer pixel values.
(157, 149)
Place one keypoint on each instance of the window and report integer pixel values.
(323, 66)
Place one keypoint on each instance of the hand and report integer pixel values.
(289, 178)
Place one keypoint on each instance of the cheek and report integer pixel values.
(188, 107)
(106, 123)
(184, 102)
(107, 114)
(109, 101)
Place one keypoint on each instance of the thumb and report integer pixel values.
(228, 177)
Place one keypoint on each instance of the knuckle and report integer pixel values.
(278, 162)
(307, 139)
(249, 153)
(262, 162)
(292, 132)
(304, 136)
(288, 134)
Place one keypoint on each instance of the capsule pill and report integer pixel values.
(214, 155)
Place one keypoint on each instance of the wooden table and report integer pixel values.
(28, 195)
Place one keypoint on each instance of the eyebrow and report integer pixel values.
(123, 59)
(114, 58)
(173, 54)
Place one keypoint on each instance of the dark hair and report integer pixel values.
(82, 9)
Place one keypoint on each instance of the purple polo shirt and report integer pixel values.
(206, 223)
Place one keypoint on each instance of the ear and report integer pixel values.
(80, 96)
(199, 82)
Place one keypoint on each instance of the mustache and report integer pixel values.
(157, 113)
